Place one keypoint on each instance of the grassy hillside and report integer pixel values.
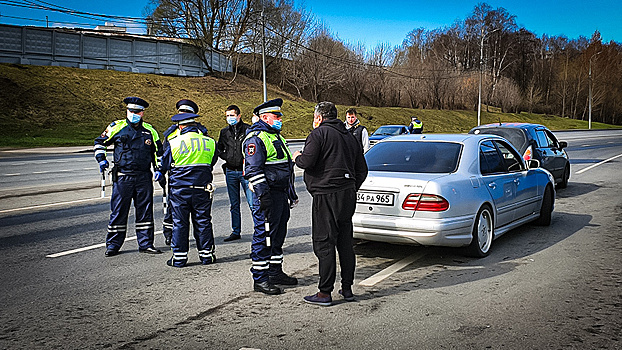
(54, 106)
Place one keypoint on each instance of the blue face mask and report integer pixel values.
(277, 125)
(134, 118)
(232, 120)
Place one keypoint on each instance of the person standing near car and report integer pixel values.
(354, 126)
(183, 106)
(334, 170)
(415, 126)
(230, 148)
(269, 169)
(189, 157)
(136, 147)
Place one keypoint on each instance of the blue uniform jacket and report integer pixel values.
(183, 176)
(265, 177)
(135, 147)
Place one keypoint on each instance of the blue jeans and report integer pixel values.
(234, 180)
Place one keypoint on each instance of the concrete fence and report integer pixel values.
(116, 51)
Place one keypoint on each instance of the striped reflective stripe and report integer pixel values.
(279, 161)
(256, 177)
(96, 147)
(167, 225)
(180, 256)
(260, 265)
(117, 226)
(276, 259)
(99, 151)
(144, 225)
(257, 182)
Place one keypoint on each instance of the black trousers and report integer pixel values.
(332, 228)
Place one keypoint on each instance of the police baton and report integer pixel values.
(103, 184)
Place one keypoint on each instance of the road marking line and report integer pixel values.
(94, 246)
(391, 270)
(597, 164)
(16, 174)
(49, 205)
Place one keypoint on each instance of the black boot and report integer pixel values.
(282, 278)
(267, 288)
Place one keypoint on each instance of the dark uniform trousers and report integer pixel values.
(167, 222)
(268, 260)
(139, 188)
(332, 227)
(187, 201)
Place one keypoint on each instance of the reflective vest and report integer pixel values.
(192, 149)
(273, 156)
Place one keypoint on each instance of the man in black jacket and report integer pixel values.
(334, 170)
(230, 148)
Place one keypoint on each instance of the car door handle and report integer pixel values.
(492, 185)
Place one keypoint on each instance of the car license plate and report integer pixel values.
(374, 198)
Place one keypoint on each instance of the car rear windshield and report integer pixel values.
(516, 136)
(414, 156)
(387, 130)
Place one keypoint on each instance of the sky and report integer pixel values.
(375, 22)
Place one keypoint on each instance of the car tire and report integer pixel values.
(565, 177)
(483, 233)
(546, 210)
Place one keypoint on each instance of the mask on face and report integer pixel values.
(316, 123)
(277, 124)
(232, 120)
(133, 117)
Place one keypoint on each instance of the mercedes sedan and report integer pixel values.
(455, 190)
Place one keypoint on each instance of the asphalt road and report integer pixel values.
(556, 287)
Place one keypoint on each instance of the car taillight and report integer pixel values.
(425, 202)
(528, 153)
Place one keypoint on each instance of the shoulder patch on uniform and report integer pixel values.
(104, 134)
(113, 123)
(251, 149)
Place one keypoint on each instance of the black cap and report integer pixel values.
(135, 103)
(272, 106)
(187, 106)
(184, 118)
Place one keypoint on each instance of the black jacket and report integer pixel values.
(230, 145)
(332, 159)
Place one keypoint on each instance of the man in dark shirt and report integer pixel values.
(230, 148)
(334, 170)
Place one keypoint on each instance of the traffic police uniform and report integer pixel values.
(183, 106)
(416, 126)
(268, 167)
(189, 157)
(136, 145)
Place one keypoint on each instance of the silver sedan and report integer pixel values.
(450, 190)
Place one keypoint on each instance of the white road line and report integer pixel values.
(49, 205)
(16, 174)
(597, 164)
(94, 246)
(391, 270)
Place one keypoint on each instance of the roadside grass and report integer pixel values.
(58, 106)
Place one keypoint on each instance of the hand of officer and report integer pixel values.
(103, 165)
(158, 176)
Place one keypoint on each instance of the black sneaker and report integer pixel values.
(150, 250)
(347, 294)
(111, 252)
(267, 288)
(317, 299)
(232, 237)
(284, 279)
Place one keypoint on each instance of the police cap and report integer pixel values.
(135, 103)
(272, 106)
(187, 106)
(184, 118)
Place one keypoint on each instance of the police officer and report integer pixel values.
(415, 126)
(354, 126)
(183, 106)
(189, 157)
(136, 146)
(268, 167)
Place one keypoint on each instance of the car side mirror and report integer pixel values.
(563, 144)
(533, 163)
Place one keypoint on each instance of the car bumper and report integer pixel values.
(451, 232)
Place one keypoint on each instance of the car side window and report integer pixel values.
(551, 138)
(510, 158)
(544, 141)
(490, 161)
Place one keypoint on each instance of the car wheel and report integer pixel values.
(483, 232)
(546, 211)
(565, 177)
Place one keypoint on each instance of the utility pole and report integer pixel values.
(589, 123)
(481, 63)
(263, 52)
